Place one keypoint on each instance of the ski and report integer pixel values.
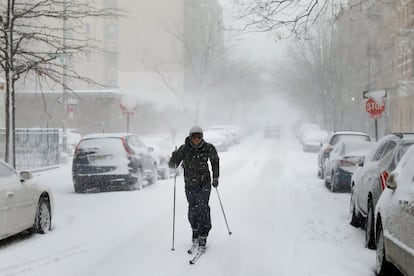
(192, 248)
(196, 257)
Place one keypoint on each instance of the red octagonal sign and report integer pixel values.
(374, 108)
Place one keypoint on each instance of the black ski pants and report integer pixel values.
(198, 208)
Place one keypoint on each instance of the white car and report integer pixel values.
(23, 204)
(394, 220)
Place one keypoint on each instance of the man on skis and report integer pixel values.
(194, 155)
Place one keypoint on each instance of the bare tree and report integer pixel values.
(202, 55)
(34, 36)
(269, 15)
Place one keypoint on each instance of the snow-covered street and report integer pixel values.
(284, 221)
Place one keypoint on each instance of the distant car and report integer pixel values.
(23, 204)
(312, 140)
(332, 140)
(368, 184)
(342, 162)
(272, 131)
(394, 220)
(218, 139)
(112, 161)
(160, 149)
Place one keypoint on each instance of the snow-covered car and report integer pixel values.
(368, 184)
(24, 205)
(312, 140)
(342, 162)
(394, 220)
(272, 131)
(112, 161)
(160, 149)
(217, 138)
(332, 140)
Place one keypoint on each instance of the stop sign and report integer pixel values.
(374, 108)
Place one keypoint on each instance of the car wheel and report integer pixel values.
(333, 188)
(369, 227)
(136, 182)
(43, 218)
(383, 266)
(78, 188)
(355, 219)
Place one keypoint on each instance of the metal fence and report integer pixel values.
(36, 148)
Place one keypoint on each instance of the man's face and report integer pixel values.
(196, 138)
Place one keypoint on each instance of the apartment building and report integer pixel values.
(144, 54)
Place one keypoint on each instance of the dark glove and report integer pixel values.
(215, 182)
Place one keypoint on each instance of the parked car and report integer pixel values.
(112, 161)
(342, 163)
(333, 139)
(272, 131)
(394, 220)
(368, 184)
(160, 149)
(24, 205)
(311, 140)
(218, 139)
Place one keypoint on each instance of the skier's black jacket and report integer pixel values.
(194, 161)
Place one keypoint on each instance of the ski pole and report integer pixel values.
(175, 180)
(222, 209)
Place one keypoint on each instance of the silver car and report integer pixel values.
(23, 204)
(394, 220)
(332, 140)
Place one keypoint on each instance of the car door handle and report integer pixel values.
(10, 194)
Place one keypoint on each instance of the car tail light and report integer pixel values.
(76, 150)
(127, 149)
(383, 179)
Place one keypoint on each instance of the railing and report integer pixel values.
(36, 148)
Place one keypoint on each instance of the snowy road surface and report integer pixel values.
(284, 222)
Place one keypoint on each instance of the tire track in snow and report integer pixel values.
(38, 263)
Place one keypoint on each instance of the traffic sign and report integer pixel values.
(375, 108)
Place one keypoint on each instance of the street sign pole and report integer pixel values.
(375, 105)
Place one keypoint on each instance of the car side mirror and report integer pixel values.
(26, 175)
(391, 181)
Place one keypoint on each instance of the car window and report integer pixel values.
(5, 170)
(401, 150)
(348, 137)
(383, 149)
(102, 146)
(137, 145)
